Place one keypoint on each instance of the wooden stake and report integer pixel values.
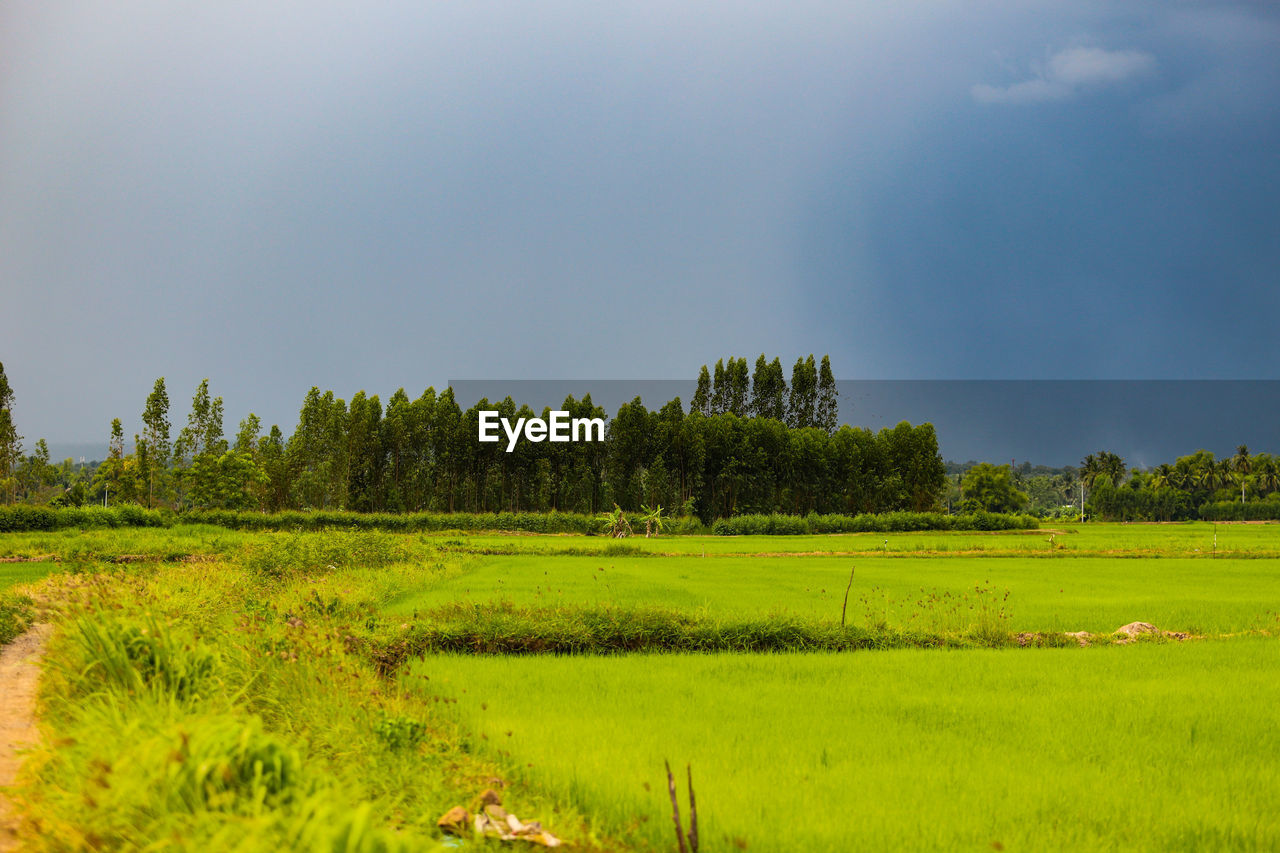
(846, 596)
(693, 813)
(675, 808)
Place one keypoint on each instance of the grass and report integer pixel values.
(1148, 747)
(209, 707)
(1079, 594)
(1191, 540)
(15, 574)
(15, 607)
(104, 545)
(301, 672)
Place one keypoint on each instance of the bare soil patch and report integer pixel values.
(19, 675)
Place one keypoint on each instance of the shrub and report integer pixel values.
(1264, 510)
(888, 522)
(21, 518)
(399, 732)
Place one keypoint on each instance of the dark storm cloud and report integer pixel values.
(281, 195)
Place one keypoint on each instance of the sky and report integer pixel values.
(369, 196)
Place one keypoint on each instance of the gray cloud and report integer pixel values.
(296, 193)
(1070, 72)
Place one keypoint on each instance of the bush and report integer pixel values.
(1264, 510)
(419, 522)
(888, 522)
(20, 518)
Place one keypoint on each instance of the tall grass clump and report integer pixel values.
(137, 656)
(507, 629)
(15, 616)
(290, 555)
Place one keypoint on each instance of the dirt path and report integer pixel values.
(19, 672)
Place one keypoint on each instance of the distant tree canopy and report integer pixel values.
(991, 488)
(749, 444)
(810, 401)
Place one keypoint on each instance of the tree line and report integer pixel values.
(747, 444)
(1199, 485)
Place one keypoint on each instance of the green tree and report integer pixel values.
(769, 390)
(247, 436)
(107, 479)
(35, 474)
(155, 434)
(720, 389)
(738, 399)
(991, 487)
(1241, 464)
(701, 402)
(10, 441)
(827, 408)
(653, 519)
(274, 489)
(197, 449)
(191, 438)
(802, 402)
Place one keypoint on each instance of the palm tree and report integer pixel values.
(1267, 474)
(1242, 464)
(1209, 477)
(1089, 470)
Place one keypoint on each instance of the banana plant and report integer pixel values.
(653, 519)
(616, 524)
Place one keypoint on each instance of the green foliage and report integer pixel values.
(398, 732)
(24, 518)
(506, 629)
(991, 488)
(139, 656)
(614, 523)
(890, 522)
(422, 522)
(298, 555)
(229, 764)
(15, 616)
(10, 441)
(1234, 510)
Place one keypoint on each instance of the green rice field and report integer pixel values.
(1154, 747)
(1160, 744)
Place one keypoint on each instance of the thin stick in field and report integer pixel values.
(675, 808)
(844, 608)
(693, 812)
